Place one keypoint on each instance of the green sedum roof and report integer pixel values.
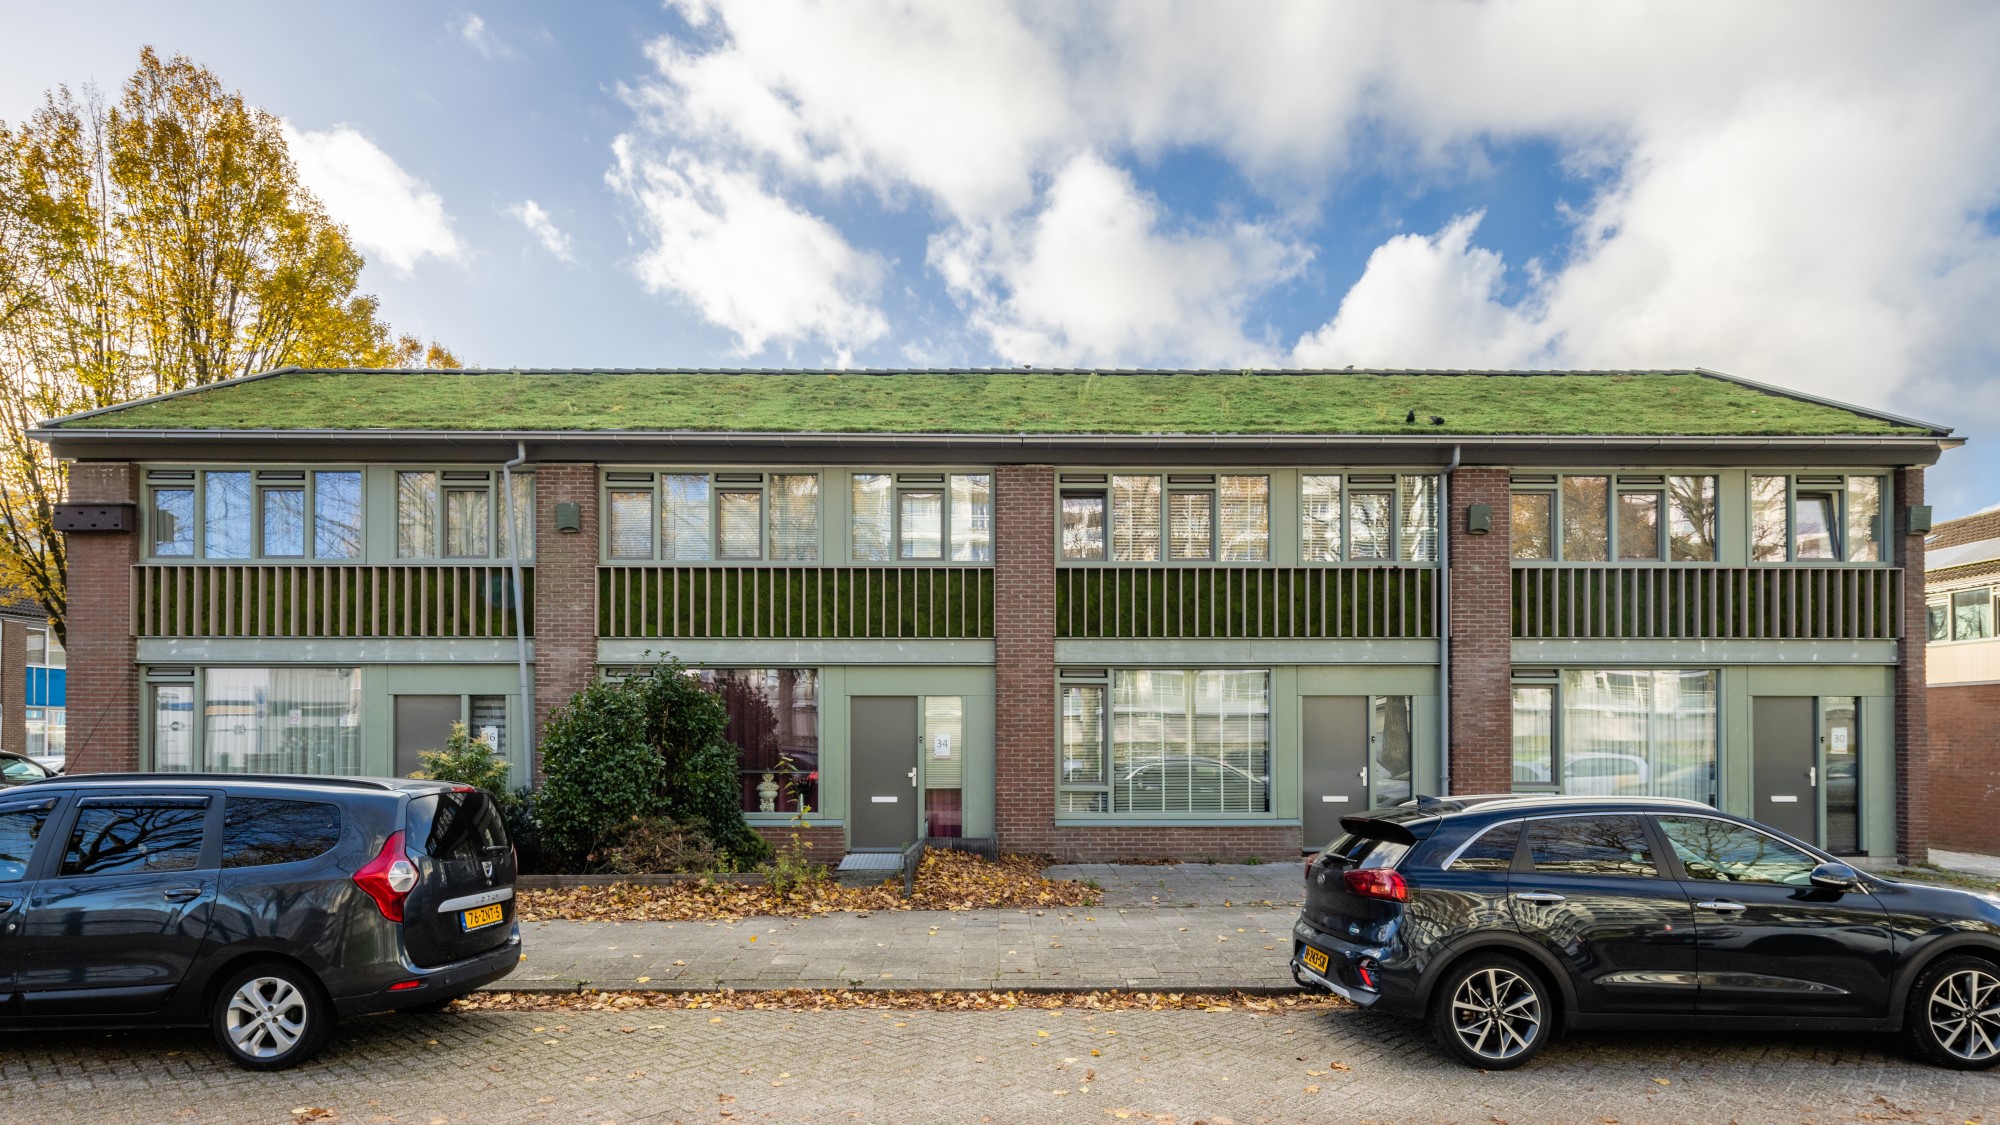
(997, 402)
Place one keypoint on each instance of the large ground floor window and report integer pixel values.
(774, 724)
(1167, 741)
(259, 720)
(1617, 733)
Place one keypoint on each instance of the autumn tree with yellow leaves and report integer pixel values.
(157, 242)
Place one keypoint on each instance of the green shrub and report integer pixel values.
(466, 760)
(651, 746)
(598, 771)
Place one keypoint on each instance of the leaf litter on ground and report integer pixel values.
(946, 880)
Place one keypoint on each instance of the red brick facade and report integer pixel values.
(103, 655)
(1024, 656)
(1482, 634)
(1965, 768)
(1913, 769)
(565, 588)
(14, 686)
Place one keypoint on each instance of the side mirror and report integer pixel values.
(1836, 877)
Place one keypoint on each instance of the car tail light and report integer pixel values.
(405, 985)
(1377, 882)
(388, 877)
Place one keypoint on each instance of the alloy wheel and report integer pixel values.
(1964, 1014)
(266, 1017)
(1496, 1013)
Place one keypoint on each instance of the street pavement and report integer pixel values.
(1000, 1067)
(1157, 928)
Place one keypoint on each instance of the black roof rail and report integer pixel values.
(372, 784)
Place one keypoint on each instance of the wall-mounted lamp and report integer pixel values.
(569, 517)
(1920, 519)
(1478, 519)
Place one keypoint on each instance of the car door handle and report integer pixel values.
(1538, 896)
(1723, 907)
(180, 894)
(6, 904)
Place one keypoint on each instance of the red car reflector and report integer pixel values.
(405, 985)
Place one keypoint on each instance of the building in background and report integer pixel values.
(1102, 615)
(33, 683)
(1962, 593)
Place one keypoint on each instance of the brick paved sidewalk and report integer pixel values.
(1097, 947)
(1163, 927)
(910, 1068)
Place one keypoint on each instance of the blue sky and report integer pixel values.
(1803, 194)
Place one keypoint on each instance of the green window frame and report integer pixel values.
(1818, 518)
(1170, 518)
(1603, 517)
(446, 513)
(917, 517)
(248, 513)
(1368, 518)
(699, 516)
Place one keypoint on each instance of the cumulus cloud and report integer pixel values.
(1100, 275)
(1804, 193)
(394, 217)
(552, 237)
(746, 259)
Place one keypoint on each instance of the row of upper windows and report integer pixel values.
(239, 514)
(947, 516)
(1600, 517)
(1963, 615)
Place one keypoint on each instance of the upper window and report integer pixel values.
(705, 517)
(1728, 852)
(459, 514)
(1601, 517)
(1962, 615)
(1367, 517)
(914, 517)
(136, 836)
(1591, 845)
(254, 514)
(1178, 517)
(1816, 518)
(257, 830)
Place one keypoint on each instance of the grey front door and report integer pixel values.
(1336, 763)
(423, 722)
(882, 766)
(1784, 744)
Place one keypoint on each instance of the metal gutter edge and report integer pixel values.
(1026, 441)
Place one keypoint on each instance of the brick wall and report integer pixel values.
(103, 655)
(13, 686)
(1913, 768)
(565, 589)
(1965, 768)
(1482, 633)
(1024, 655)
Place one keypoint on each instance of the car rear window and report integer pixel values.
(1491, 850)
(463, 825)
(261, 830)
(1366, 851)
(1591, 845)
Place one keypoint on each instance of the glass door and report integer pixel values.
(1840, 773)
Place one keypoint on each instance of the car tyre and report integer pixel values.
(1493, 1012)
(270, 1016)
(1953, 1019)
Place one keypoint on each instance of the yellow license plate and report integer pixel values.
(487, 915)
(1314, 959)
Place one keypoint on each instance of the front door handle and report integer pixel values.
(1812, 776)
(180, 894)
(1538, 896)
(1723, 907)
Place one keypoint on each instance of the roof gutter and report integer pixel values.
(526, 722)
(1444, 624)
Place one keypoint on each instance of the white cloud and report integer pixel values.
(1798, 192)
(747, 260)
(552, 237)
(481, 38)
(394, 217)
(1100, 276)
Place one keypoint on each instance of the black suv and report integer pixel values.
(265, 907)
(1504, 920)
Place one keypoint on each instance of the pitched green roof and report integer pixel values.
(999, 402)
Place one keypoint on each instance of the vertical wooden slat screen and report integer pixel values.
(834, 602)
(1726, 603)
(330, 600)
(1146, 602)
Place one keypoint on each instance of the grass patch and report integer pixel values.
(1006, 403)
